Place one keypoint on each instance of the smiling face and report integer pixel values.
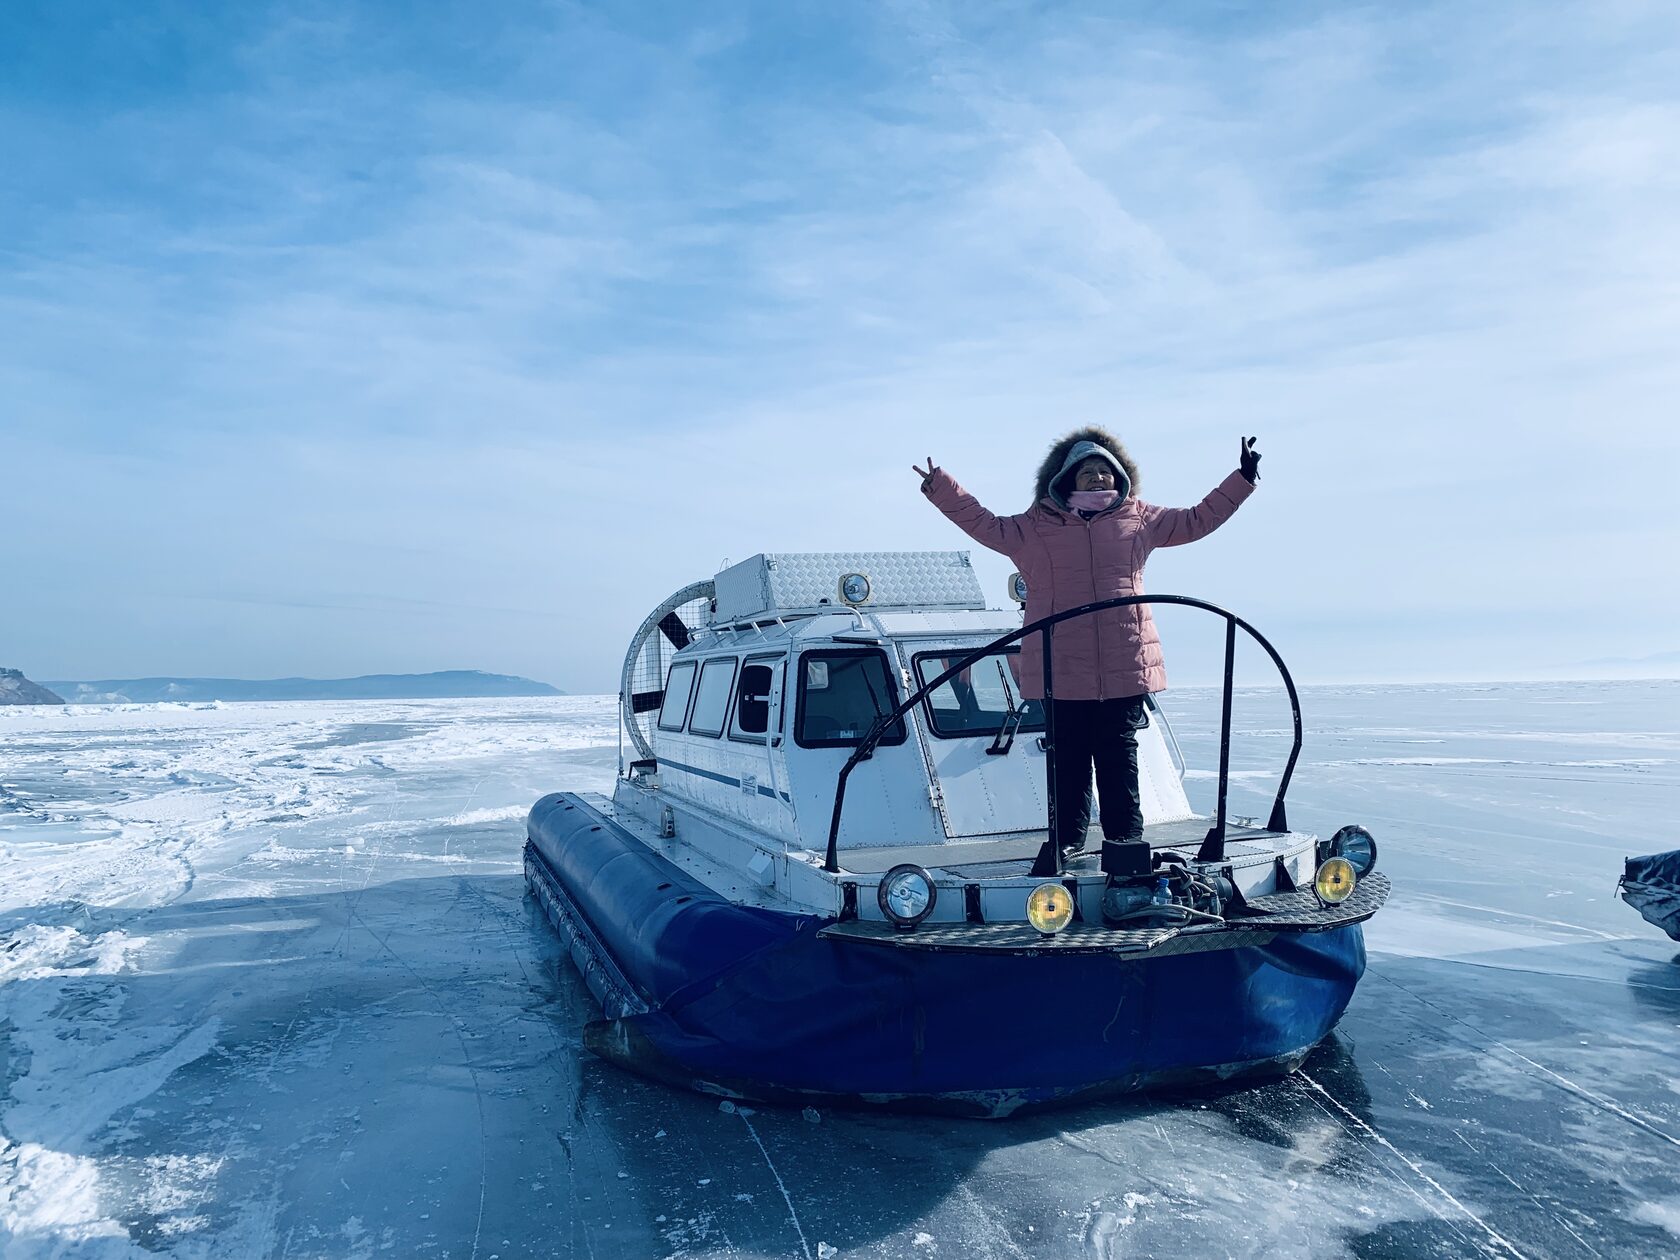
(1095, 473)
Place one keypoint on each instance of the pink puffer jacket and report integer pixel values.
(1068, 561)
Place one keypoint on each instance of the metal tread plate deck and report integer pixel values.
(1299, 911)
(770, 583)
(1270, 916)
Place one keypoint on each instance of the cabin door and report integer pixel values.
(981, 743)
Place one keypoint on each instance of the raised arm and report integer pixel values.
(1000, 533)
(1173, 527)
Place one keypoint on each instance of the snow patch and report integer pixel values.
(1664, 1214)
(60, 997)
(505, 813)
(54, 1199)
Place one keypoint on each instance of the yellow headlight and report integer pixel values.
(1049, 908)
(1334, 881)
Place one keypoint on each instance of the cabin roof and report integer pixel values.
(777, 584)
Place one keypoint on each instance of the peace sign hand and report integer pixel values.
(1250, 466)
(926, 474)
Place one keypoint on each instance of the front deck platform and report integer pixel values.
(1266, 918)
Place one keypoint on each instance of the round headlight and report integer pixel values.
(1017, 588)
(854, 588)
(1358, 846)
(1049, 908)
(1335, 880)
(906, 895)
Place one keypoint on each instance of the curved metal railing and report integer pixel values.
(1213, 847)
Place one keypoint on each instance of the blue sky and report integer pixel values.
(346, 338)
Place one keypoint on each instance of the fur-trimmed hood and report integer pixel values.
(1055, 464)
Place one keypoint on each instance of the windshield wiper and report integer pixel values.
(1011, 723)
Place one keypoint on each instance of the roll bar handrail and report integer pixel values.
(1213, 846)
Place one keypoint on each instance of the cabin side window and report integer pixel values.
(840, 695)
(978, 700)
(711, 697)
(752, 719)
(679, 686)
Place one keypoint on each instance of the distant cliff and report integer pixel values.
(16, 689)
(447, 684)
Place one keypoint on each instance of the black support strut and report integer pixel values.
(1213, 847)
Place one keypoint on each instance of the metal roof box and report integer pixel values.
(767, 585)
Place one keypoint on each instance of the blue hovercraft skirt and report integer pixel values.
(749, 1003)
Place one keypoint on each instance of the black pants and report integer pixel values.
(1103, 734)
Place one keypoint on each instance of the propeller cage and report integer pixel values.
(664, 632)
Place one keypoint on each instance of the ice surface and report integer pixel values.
(269, 986)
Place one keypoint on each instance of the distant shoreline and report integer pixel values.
(444, 684)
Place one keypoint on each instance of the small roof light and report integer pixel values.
(854, 588)
(1017, 588)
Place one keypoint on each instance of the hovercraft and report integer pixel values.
(823, 874)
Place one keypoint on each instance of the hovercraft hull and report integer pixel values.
(749, 1003)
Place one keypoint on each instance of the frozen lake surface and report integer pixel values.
(269, 986)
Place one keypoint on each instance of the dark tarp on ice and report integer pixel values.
(1651, 885)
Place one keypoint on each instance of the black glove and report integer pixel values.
(1250, 467)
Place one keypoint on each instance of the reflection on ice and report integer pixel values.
(268, 984)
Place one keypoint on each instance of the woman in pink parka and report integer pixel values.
(1085, 539)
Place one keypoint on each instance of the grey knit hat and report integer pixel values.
(1081, 452)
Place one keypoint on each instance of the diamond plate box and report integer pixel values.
(801, 581)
